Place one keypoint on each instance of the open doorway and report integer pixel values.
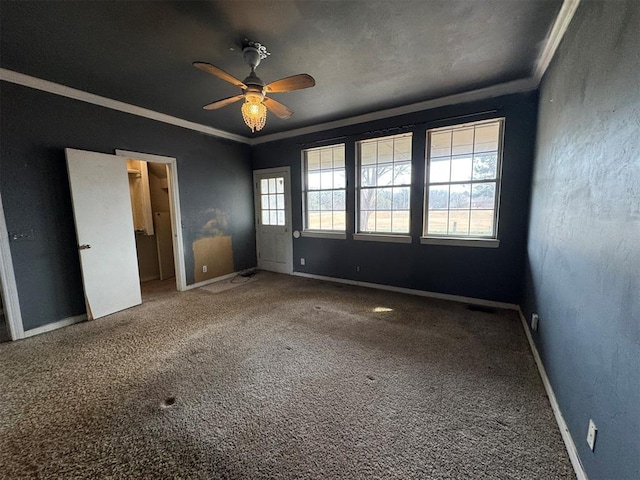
(154, 197)
(150, 206)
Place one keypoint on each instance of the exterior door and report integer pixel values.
(104, 229)
(272, 194)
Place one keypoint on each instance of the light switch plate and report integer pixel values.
(591, 435)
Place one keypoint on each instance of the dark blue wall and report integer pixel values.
(36, 127)
(493, 274)
(584, 242)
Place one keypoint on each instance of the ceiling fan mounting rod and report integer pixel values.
(253, 53)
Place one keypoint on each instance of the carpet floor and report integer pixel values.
(280, 378)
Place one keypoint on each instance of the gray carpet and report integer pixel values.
(281, 378)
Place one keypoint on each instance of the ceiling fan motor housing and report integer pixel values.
(253, 95)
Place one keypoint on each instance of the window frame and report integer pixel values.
(379, 236)
(320, 233)
(489, 241)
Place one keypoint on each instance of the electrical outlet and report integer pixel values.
(534, 322)
(357, 269)
(204, 269)
(302, 261)
(591, 435)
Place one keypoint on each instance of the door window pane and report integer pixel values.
(272, 201)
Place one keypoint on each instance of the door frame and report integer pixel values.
(174, 202)
(288, 202)
(9, 290)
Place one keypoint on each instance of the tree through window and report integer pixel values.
(384, 184)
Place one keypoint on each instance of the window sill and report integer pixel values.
(376, 237)
(461, 242)
(319, 234)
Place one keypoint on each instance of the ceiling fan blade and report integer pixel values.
(278, 109)
(213, 70)
(223, 103)
(288, 84)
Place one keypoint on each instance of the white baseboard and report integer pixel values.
(562, 425)
(216, 279)
(80, 318)
(65, 322)
(410, 291)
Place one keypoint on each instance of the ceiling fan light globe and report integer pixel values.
(254, 114)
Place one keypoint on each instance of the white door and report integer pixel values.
(104, 228)
(272, 194)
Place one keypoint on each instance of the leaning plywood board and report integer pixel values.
(214, 253)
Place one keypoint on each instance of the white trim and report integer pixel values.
(329, 235)
(176, 215)
(10, 299)
(376, 237)
(556, 34)
(214, 280)
(64, 91)
(65, 322)
(516, 86)
(461, 242)
(562, 425)
(410, 291)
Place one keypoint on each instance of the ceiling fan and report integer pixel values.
(254, 90)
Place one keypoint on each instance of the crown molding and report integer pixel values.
(553, 40)
(62, 90)
(560, 26)
(516, 86)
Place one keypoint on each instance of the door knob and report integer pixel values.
(86, 246)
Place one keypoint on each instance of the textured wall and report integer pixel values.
(493, 274)
(36, 127)
(584, 242)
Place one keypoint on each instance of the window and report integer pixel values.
(272, 201)
(325, 192)
(463, 180)
(384, 185)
